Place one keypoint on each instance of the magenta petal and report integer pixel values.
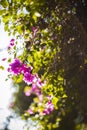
(3, 59)
(12, 40)
(44, 113)
(35, 30)
(50, 106)
(34, 87)
(8, 48)
(11, 44)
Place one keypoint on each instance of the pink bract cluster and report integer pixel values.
(16, 68)
(49, 107)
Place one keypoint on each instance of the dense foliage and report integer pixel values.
(49, 64)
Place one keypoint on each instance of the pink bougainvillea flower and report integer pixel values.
(3, 59)
(38, 92)
(35, 89)
(8, 48)
(28, 78)
(12, 42)
(35, 30)
(30, 111)
(15, 67)
(8, 69)
(44, 113)
(40, 96)
(49, 107)
(28, 93)
(35, 78)
(49, 97)
(38, 82)
(25, 69)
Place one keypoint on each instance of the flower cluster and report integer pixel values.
(49, 107)
(46, 108)
(33, 80)
(15, 67)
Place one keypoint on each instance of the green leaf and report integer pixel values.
(6, 27)
(85, 61)
(2, 12)
(9, 60)
(55, 101)
(4, 3)
(1, 67)
(19, 79)
(30, 59)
